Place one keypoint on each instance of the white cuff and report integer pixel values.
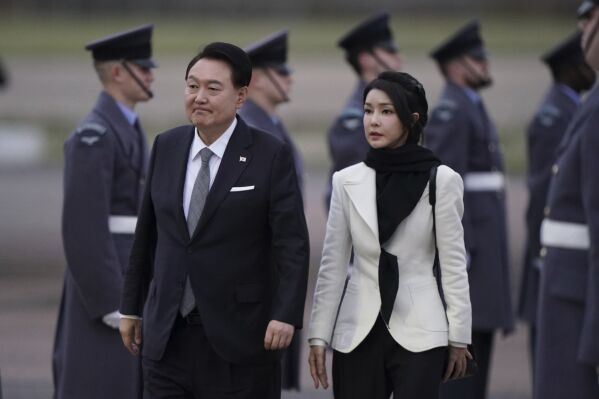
(317, 342)
(458, 344)
(112, 319)
(130, 316)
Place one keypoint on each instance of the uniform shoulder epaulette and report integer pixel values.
(90, 133)
(548, 114)
(445, 110)
(351, 118)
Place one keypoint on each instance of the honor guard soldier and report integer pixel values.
(462, 135)
(369, 50)
(3, 75)
(270, 86)
(105, 166)
(568, 321)
(571, 77)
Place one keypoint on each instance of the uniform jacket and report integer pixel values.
(573, 274)
(463, 136)
(418, 321)
(544, 134)
(247, 259)
(347, 142)
(256, 117)
(104, 174)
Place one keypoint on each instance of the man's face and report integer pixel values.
(476, 72)
(211, 99)
(284, 81)
(389, 60)
(590, 40)
(131, 89)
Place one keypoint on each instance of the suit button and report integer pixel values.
(543, 252)
(555, 169)
(546, 211)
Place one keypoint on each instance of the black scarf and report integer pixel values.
(401, 177)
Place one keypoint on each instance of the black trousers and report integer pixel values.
(380, 366)
(191, 369)
(474, 387)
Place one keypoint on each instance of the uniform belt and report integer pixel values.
(122, 224)
(484, 181)
(565, 235)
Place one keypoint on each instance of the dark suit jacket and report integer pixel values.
(256, 117)
(247, 260)
(463, 136)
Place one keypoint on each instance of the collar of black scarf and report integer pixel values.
(409, 157)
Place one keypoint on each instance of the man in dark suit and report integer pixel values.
(269, 88)
(572, 76)
(105, 164)
(463, 136)
(567, 350)
(221, 249)
(369, 50)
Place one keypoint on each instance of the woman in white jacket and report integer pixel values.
(387, 324)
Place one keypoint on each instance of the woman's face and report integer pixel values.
(382, 126)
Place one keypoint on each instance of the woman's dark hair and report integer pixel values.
(408, 96)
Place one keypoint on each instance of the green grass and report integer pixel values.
(63, 35)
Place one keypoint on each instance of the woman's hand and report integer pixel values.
(318, 368)
(456, 363)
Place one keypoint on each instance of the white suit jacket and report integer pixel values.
(418, 321)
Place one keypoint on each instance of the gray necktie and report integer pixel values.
(196, 205)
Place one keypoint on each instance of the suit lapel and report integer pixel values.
(235, 159)
(361, 189)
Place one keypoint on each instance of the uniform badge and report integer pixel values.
(90, 133)
(351, 123)
(242, 159)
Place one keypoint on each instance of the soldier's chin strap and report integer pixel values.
(380, 61)
(276, 84)
(136, 78)
(482, 81)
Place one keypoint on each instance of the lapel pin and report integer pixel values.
(242, 159)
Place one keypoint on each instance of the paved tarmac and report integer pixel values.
(31, 267)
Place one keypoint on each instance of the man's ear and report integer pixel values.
(242, 94)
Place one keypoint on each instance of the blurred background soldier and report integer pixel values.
(571, 77)
(463, 136)
(105, 163)
(270, 86)
(369, 50)
(568, 320)
(3, 75)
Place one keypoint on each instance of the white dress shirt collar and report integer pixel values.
(218, 147)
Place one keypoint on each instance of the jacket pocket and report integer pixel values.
(427, 306)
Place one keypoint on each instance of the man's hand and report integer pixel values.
(278, 335)
(130, 330)
(318, 368)
(456, 363)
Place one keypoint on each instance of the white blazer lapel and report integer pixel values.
(361, 190)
